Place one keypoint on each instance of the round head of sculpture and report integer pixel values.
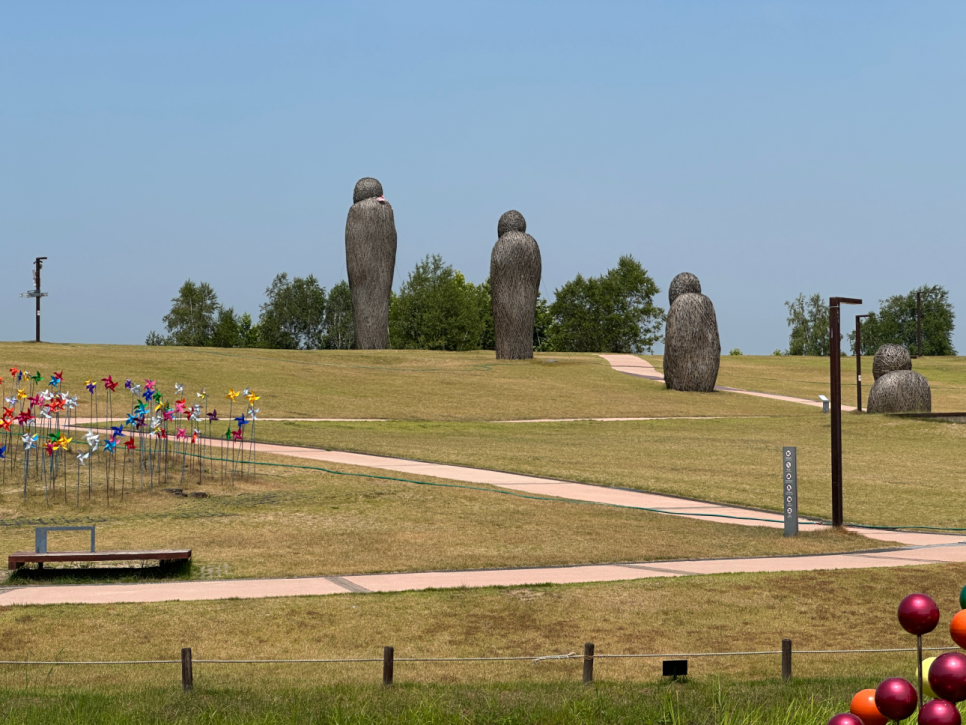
(890, 357)
(512, 221)
(684, 282)
(367, 188)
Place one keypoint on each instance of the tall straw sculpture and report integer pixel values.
(897, 389)
(692, 348)
(514, 285)
(370, 256)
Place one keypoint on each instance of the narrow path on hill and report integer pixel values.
(633, 365)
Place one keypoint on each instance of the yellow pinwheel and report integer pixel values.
(231, 395)
(251, 397)
(62, 442)
(21, 394)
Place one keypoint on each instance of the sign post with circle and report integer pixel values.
(790, 490)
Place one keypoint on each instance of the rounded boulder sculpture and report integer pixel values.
(515, 269)
(890, 357)
(900, 391)
(370, 256)
(692, 348)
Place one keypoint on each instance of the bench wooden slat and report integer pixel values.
(19, 558)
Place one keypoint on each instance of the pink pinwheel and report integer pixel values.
(149, 385)
(237, 434)
(179, 407)
(168, 415)
(180, 434)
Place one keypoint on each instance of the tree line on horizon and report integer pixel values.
(434, 309)
(894, 322)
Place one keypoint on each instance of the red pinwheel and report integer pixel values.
(49, 447)
(109, 383)
(24, 417)
(237, 434)
(5, 423)
(129, 444)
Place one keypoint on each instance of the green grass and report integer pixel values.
(394, 384)
(896, 472)
(697, 701)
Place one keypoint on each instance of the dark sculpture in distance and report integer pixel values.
(370, 257)
(515, 269)
(897, 389)
(692, 348)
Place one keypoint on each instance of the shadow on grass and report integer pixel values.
(178, 570)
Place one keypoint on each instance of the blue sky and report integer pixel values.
(771, 148)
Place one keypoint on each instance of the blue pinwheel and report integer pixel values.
(148, 394)
(3, 452)
(131, 419)
(118, 431)
(128, 384)
(241, 420)
(110, 445)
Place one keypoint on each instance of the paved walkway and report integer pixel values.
(920, 548)
(633, 365)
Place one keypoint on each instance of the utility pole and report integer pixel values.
(835, 372)
(858, 360)
(35, 292)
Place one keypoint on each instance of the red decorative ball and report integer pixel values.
(918, 614)
(845, 718)
(896, 698)
(947, 676)
(939, 712)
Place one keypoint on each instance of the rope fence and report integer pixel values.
(389, 659)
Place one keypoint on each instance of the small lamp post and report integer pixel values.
(835, 371)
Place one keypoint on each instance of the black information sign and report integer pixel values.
(790, 490)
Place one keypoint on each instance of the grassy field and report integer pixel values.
(723, 613)
(697, 702)
(807, 377)
(896, 472)
(293, 522)
(399, 385)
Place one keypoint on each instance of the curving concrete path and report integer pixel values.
(633, 365)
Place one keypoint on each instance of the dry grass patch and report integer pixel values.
(747, 612)
(897, 472)
(292, 522)
(394, 384)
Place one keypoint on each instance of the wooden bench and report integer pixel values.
(162, 556)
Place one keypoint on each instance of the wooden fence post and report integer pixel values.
(388, 654)
(786, 659)
(187, 680)
(589, 663)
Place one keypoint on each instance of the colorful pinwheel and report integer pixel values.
(231, 395)
(90, 385)
(149, 385)
(110, 445)
(237, 435)
(117, 431)
(129, 444)
(180, 435)
(109, 383)
(28, 441)
(38, 377)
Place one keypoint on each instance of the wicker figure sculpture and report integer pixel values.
(692, 348)
(515, 284)
(370, 256)
(897, 389)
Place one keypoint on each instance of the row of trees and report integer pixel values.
(895, 322)
(435, 309)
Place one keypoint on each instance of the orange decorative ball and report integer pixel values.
(863, 706)
(957, 628)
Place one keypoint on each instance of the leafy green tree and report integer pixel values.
(808, 320)
(611, 313)
(293, 317)
(437, 309)
(339, 332)
(248, 332)
(542, 327)
(896, 322)
(155, 339)
(227, 332)
(191, 320)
